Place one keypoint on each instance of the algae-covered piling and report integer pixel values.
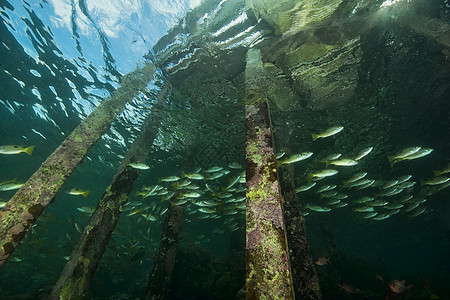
(161, 276)
(76, 277)
(268, 268)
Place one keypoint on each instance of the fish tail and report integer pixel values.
(437, 173)
(422, 182)
(85, 193)
(327, 163)
(392, 163)
(29, 150)
(315, 136)
(310, 177)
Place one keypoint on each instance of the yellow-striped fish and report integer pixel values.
(343, 162)
(321, 174)
(363, 153)
(77, 192)
(329, 132)
(435, 180)
(139, 166)
(15, 149)
(11, 186)
(295, 158)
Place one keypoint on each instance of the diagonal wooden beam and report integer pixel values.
(79, 271)
(20, 213)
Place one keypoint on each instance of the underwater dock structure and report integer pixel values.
(246, 68)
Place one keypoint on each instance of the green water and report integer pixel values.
(379, 69)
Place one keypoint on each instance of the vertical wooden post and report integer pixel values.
(164, 263)
(30, 201)
(268, 267)
(76, 277)
(304, 275)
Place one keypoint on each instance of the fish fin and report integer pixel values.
(315, 136)
(10, 181)
(29, 150)
(85, 193)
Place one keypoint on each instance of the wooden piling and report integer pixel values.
(164, 263)
(76, 277)
(304, 275)
(268, 273)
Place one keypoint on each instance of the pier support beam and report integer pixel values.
(304, 275)
(164, 264)
(76, 277)
(268, 273)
